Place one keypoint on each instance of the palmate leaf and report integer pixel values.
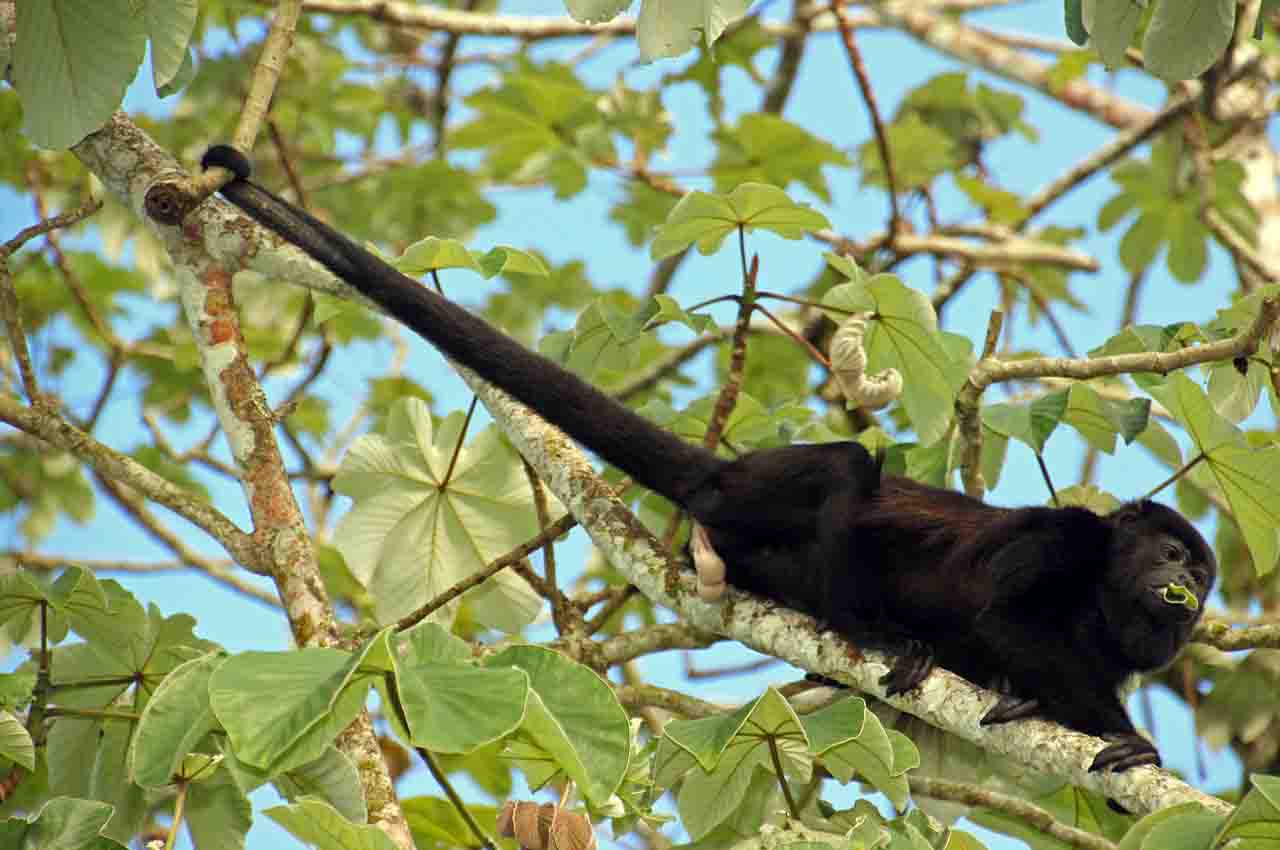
(451, 706)
(852, 743)
(408, 538)
(324, 827)
(1246, 475)
(573, 723)
(704, 219)
(903, 335)
(282, 710)
(671, 27)
(720, 757)
(1186, 36)
(72, 63)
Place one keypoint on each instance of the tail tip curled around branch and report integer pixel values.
(229, 158)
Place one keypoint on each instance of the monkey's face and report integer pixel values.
(1159, 574)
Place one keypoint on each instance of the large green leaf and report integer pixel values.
(15, 741)
(573, 718)
(175, 720)
(1247, 476)
(1111, 25)
(672, 27)
(283, 709)
(767, 148)
(61, 824)
(169, 24)
(903, 335)
(322, 826)
(851, 742)
(1032, 423)
(426, 517)
(1187, 36)
(1255, 824)
(730, 750)
(704, 219)
(452, 707)
(72, 63)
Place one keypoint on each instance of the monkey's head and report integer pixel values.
(1159, 574)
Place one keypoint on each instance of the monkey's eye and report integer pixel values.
(1172, 552)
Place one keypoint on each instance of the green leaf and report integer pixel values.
(332, 778)
(426, 517)
(730, 750)
(921, 152)
(169, 25)
(541, 123)
(851, 742)
(1032, 423)
(15, 742)
(1186, 831)
(175, 720)
(1088, 496)
(1236, 396)
(1188, 238)
(1246, 475)
(670, 29)
(903, 335)
(1187, 36)
(1141, 242)
(437, 824)
(453, 707)
(1255, 823)
(1002, 205)
(71, 65)
(282, 709)
(432, 254)
(1099, 420)
(705, 220)
(324, 827)
(765, 148)
(574, 717)
(642, 212)
(667, 309)
(218, 814)
(1111, 27)
(1176, 594)
(1073, 20)
(61, 824)
(595, 11)
(502, 259)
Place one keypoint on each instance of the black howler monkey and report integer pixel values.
(1054, 607)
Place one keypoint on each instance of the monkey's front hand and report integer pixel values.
(1010, 707)
(1127, 749)
(915, 662)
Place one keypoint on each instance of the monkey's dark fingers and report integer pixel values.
(826, 681)
(1127, 750)
(1010, 707)
(914, 664)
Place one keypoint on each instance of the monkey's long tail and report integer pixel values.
(653, 456)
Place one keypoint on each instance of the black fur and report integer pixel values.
(1053, 607)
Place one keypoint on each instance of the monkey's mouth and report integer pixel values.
(1163, 610)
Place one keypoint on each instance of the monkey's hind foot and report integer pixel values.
(1127, 749)
(1010, 707)
(708, 564)
(915, 662)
